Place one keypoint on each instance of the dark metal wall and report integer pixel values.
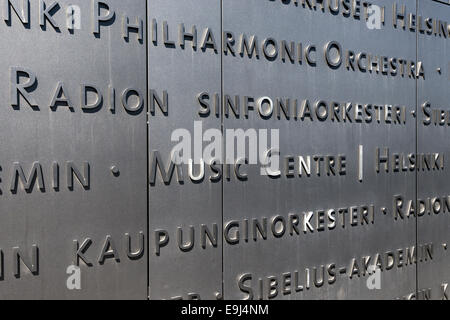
(432, 191)
(44, 214)
(321, 253)
(89, 117)
(184, 72)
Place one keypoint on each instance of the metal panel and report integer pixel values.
(288, 258)
(433, 128)
(363, 149)
(45, 210)
(183, 72)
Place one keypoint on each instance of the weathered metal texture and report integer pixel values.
(433, 127)
(355, 141)
(178, 208)
(46, 210)
(331, 249)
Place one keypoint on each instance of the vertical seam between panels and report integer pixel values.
(223, 143)
(147, 148)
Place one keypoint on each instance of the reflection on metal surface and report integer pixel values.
(258, 149)
(66, 134)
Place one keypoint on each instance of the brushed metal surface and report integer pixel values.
(49, 215)
(262, 197)
(183, 73)
(88, 182)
